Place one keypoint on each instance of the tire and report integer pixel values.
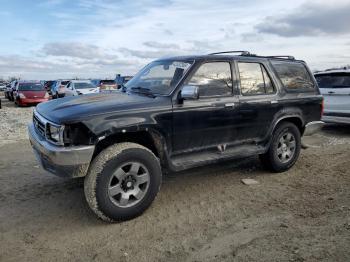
(281, 155)
(110, 177)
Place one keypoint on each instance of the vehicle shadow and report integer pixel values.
(336, 129)
(59, 202)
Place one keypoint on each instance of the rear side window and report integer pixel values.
(213, 79)
(294, 76)
(334, 80)
(254, 79)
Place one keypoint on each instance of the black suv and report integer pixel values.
(177, 113)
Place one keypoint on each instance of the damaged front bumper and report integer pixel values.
(70, 161)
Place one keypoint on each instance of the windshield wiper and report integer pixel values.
(142, 90)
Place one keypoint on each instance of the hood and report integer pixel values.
(33, 94)
(85, 91)
(77, 108)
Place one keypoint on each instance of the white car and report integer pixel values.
(335, 88)
(80, 87)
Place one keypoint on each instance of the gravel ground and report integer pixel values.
(205, 214)
(14, 121)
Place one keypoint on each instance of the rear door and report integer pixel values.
(258, 101)
(335, 88)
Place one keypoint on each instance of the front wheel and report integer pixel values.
(122, 182)
(284, 148)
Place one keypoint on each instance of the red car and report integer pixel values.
(29, 93)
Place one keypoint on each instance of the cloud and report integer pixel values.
(46, 68)
(309, 20)
(76, 50)
(147, 54)
(252, 37)
(159, 45)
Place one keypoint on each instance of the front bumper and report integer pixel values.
(71, 161)
(313, 127)
(26, 101)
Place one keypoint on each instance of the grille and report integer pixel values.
(39, 126)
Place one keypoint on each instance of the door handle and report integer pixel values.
(230, 105)
(330, 92)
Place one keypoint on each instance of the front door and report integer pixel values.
(211, 120)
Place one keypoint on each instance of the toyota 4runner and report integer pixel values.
(177, 113)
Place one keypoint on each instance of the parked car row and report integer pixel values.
(25, 92)
(62, 88)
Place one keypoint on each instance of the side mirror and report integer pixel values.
(189, 92)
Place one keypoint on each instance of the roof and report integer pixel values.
(28, 81)
(334, 71)
(226, 55)
(81, 81)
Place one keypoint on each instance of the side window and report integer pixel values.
(254, 79)
(213, 79)
(293, 75)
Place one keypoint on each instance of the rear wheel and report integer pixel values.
(122, 181)
(284, 149)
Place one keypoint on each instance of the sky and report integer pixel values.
(51, 39)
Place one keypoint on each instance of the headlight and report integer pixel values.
(21, 95)
(55, 133)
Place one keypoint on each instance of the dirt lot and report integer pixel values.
(205, 214)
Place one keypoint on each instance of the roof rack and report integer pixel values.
(282, 56)
(243, 53)
(247, 53)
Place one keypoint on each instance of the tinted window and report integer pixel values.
(335, 80)
(293, 75)
(108, 82)
(30, 87)
(213, 79)
(254, 79)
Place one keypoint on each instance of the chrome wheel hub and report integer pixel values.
(128, 184)
(286, 147)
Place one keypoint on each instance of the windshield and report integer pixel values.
(338, 80)
(83, 85)
(159, 77)
(31, 87)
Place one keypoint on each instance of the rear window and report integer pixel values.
(30, 87)
(107, 82)
(334, 80)
(294, 76)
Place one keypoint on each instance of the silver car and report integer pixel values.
(81, 87)
(335, 88)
